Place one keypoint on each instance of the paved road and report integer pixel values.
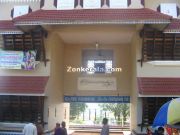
(87, 133)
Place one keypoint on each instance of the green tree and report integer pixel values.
(117, 109)
(76, 109)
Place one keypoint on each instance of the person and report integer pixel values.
(64, 130)
(58, 129)
(159, 131)
(39, 128)
(105, 128)
(30, 129)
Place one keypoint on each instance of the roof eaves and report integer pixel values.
(5, 32)
(72, 22)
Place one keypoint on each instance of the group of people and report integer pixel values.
(37, 129)
(60, 129)
(158, 131)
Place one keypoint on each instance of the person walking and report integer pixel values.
(40, 130)
(63, 126)
(30, 129)
(58, 129)
(105, 128)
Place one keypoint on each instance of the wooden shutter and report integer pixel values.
(107, 2)
(55, 3)
(129, 3)
(158, 8)
(41, 3)
(30, 10)
(12, 12)
(102, 3)
(178, 11)
(81, 3)
(75, 3)
(142, 2)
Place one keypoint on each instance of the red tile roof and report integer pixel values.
(158, 86)
(93, 16)
(173, 27)
(24, 85)
(8, 27)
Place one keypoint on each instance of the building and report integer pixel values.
(139, 37)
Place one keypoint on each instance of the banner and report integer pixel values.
(98, 99)
(18, 60)
(11, 59)
(29, 61)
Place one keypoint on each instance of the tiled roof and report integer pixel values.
(7, 27)
(159, 86)
(23, 85)
(173, 27)
(93, 16)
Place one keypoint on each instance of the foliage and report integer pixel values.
(76, 109)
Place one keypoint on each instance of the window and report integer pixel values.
(159, 46)
(98, 61)
(65, 4)
(118, 4)
(91, 4)
(99, 66)
(169, 9)
(20, 10)
(24, 108)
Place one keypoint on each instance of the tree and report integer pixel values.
(118, 109)
(76, 109)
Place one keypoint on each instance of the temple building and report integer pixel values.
(53, 52)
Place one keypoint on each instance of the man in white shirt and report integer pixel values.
(30, 129)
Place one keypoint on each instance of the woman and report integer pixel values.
(105, 128)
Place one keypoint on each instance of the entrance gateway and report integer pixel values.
(90, 118)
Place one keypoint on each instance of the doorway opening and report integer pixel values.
(90, 115)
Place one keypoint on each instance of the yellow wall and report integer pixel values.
(134, 92)
(54, 89)
(73, 58)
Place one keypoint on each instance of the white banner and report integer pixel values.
(97, 83)
(11, 59)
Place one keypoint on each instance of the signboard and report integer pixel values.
(65, 4)
(18, 60)
(169, 9)
(118, 4)
(98, 99)
(91, 4)
(11, 59)
(20, 10)
(97, 83)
